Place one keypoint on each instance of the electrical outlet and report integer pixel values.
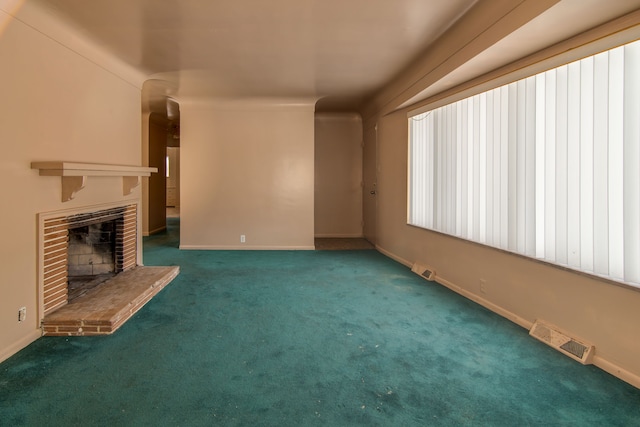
(242, 238)
(22, 314)
(483, 286)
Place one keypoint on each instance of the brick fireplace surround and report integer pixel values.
(106, 307)
(56, 248)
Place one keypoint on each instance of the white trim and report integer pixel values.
(338, 116)
(514, 71)
(87, 208)
(249, 104)
(602, 363)
(339, 236)
(616, 371)
(7, 352)
(245, 248)
(63, 168)
(485, 303)
(154, 231)
(469, 295)
(394, 256)
(74, 175)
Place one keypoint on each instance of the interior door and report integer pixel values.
(369, 178)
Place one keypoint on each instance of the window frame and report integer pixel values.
(579, 47)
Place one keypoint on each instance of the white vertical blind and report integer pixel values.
(548, 166)
(631, 166)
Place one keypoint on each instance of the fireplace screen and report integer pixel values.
(91, 256)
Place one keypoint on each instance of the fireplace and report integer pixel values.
(82, 250)
(90, 277)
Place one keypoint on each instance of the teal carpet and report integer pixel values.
(286, 338)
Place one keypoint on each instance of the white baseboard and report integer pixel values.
(394, 256)
(486, 304)
(19, 345)
(604, 364)
(339, 236)
(157, 230)
(245, 248)
(616, 371)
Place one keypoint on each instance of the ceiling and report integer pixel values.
(339, 52)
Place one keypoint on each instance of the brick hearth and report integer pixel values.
(104, 309)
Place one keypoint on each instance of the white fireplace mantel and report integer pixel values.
(74, 175)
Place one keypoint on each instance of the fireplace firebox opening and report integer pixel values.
(91, 257)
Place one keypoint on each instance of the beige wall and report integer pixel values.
(56, 105)
(338, 175)
(247, 170)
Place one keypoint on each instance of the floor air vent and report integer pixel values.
(424, 271)
(551, 336)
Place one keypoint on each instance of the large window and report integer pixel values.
(547, 167)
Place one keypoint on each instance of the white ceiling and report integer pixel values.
(337, 51)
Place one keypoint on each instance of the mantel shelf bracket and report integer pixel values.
(71, 185)
(129, 183)
(74, 175)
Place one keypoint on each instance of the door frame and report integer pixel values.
(370, 180)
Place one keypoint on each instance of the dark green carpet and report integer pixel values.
(289, 338)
